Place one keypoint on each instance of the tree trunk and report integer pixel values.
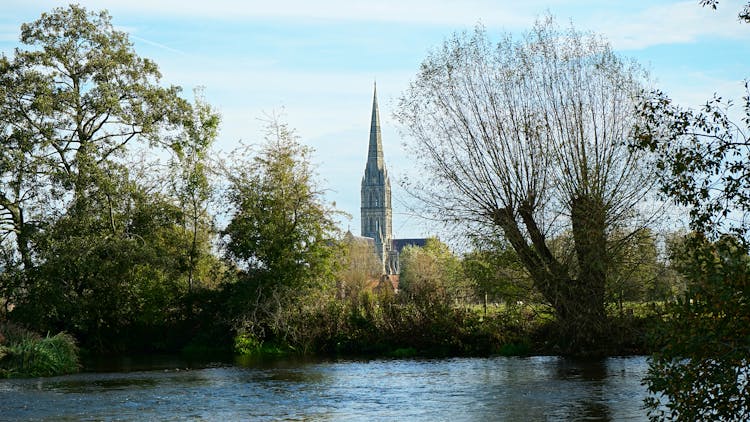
(582, 315)
(578, 302)
(23, 235)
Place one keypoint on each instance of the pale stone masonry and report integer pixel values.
(376, 212)
(376, 192)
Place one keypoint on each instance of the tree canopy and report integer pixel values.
(528, 137)
(69, 106)
(701, 370)
(91, 249)
(703, 158)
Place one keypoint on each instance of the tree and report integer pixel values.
(71, 104)
(433, 273)
(527, 137)
(359, 265)
(634, 277)
(99, 255)
(494, 268)
(701, 369)
(24, 191)
(190, 179)
(281, 233)
(703, 159)
(113, 291)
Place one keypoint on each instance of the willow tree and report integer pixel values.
(527, 136)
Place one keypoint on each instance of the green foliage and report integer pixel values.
(395, 325)
(280, 227)
(358, 265)
(190, 183)
(702, 370)
(113, 290)
(281, 233)
(246, 344)
(71, 103)
(25, 354)
(433, 273)
(497, 272)
(89, 247)
(703, 159)
(635, 270)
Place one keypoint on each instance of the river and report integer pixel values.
(461, 389)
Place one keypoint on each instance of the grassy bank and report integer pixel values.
(391, 326)
(27, 354)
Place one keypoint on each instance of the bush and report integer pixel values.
(701, 370)
(26, 354)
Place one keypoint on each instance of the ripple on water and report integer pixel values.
(540, 388)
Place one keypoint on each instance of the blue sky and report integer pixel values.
(315, 61)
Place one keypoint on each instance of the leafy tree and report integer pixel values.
(497, 272)
(24, 189)
(71, 103)
(701, 372)
(101, 256)
(527, 137)
(635, 276)
(190, 179)
(359, 265)
(433, 273)
(281, 232)
(113, 291)
(703, 159)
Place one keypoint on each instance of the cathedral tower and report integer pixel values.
(376, 211)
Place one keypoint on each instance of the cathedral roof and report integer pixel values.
(349, 237)
(399, 244)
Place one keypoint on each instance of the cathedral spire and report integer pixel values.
(375, 150)
(376, 191)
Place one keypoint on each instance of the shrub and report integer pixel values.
(26, 354)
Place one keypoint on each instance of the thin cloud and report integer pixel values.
(631, 26)
(675, 23)
(158, 45)
(414, 11)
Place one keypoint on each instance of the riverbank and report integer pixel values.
(373, 328)
(389, 328)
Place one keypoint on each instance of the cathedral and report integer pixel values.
(376, 213)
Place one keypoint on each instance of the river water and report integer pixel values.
(461, 389)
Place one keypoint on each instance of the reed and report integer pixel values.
(26, 354)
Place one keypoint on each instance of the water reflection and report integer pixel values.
(539, 388)
(592, 375)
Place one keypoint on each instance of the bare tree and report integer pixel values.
(528, 136)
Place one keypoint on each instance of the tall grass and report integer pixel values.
(26, 354)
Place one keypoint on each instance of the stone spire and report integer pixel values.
(375, 160)
(376, 191)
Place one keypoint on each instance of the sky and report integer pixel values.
(314, 63)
